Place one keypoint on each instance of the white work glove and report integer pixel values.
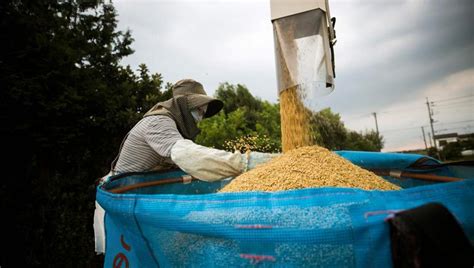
(257, 158)
(205, 163)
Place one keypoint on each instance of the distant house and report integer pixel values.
(465, 137)
(443, 139)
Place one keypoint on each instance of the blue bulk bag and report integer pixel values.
(190, 225)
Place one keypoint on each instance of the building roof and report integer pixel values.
(467, 135)
(447, 135)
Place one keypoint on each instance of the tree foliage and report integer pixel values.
(67, 103)
(243, 117)
(453, 150)
(329, 131)
(238, 96)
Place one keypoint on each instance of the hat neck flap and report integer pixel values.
(177, 109)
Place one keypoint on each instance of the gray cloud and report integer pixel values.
(210, 41)
(390, 55)
(400, 50)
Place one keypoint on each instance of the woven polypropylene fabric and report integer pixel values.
(191, 225)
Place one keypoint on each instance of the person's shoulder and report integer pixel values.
(158, 118)
(161, 120)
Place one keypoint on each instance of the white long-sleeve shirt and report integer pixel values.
(148, 145)
(155, 143)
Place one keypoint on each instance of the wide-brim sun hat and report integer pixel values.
(196, 96)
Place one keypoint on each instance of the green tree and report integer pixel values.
(66, 104)
(215, 131)
(328, 130)
(268, 125)
(370, 141)
(375, 139)
(433, 152)
(452, 151)
(468, 144)
(243, 117)
(238, 96)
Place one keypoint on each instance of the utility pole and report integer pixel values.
(430, 114)
(424, 138)
(429, 138)
(376, 124)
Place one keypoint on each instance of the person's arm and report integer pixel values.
(206, 163)
(201, 162)
(210, 164)
(198, 161)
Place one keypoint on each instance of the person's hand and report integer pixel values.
(257, 158)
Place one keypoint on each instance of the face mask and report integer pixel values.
(197, 115)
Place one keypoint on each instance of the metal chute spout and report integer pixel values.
(304, 40)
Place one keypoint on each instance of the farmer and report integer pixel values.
(163, 139)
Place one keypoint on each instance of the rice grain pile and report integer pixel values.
(307, 167)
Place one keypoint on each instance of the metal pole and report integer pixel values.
(430, 114)
(424, 138)
(376, 124)
(429, 138)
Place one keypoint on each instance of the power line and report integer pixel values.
(410, 109)
(447, 101)
(455, 107)
(407, 110)
(466, 127)
(450, 123)
(440, 109)
(400, 110)
(455, 98)
(418, 127)
(404, 137)
(358, 116)
(399, 129)
(453, 128)
(463, 127)
(454, 103)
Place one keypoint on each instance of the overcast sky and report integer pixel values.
(390, 57)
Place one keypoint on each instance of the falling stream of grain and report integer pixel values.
(295, 127)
